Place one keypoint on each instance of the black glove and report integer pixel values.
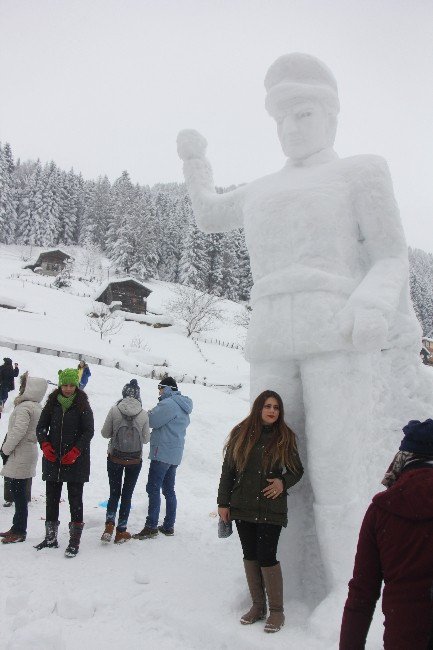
(4, 457)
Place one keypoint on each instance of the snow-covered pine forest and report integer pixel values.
(147, 232)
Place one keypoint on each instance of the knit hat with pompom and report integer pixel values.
(68, 376)
(131, 390)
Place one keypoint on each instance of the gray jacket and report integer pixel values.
(131, 407)
(21, 444)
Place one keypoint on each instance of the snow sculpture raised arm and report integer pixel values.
(214, 212)
(330, 270)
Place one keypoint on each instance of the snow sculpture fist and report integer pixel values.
(367, 328)
(191, 144)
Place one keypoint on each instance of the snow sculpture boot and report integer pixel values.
(108, 532)
(50, 541)
(273, 580)
(255, 585)
(75, 530)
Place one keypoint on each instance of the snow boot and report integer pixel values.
(108, 532)
(168, 532)
(273, 581)
(50, 541)
(257, 611)
(122, 536)
(7, 533)
(146, 533)
(75, 530)
(13, 538)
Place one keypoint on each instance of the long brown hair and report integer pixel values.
(281, 448)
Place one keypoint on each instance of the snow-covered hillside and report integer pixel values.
(183, 593)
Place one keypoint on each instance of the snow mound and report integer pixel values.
(75, 609)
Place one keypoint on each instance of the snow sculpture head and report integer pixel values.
(302, 97)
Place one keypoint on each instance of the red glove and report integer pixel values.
(48, 451)
(71, 456)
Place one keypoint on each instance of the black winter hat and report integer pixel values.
(418, 437)
(168, 381)
(131, 390)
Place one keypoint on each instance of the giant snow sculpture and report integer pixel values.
(332, 324)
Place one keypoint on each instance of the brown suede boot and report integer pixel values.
(122, 536)
(274, 588)
(255, 585)
(108, 532)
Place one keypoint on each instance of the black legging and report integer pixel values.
(75, 497)
(259, 542)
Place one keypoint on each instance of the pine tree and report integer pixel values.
(8, 214)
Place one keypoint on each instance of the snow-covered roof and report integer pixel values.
(37, 262)
(126, 278)
(425, 338)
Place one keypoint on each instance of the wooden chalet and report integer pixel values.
(50, 262)
(131, 293)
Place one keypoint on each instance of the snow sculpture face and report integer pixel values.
(304, 128)
(302, 97)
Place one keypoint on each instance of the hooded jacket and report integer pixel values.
(168, 421)
(74, 428)
(395, 546)
(131, 407)
(21, 443)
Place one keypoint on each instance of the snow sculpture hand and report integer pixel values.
(367, 328)
(191, 144)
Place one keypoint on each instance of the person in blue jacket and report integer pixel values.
(83, 374)
(168, 421)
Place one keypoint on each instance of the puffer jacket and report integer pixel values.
(395, 546)
(131, 407)
(168, 421)
(74, 428)
(21, 443)
(242, 491)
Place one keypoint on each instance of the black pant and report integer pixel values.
(115, 475)
(18, 488)
(259, 541)
(75, 497)
(7, 489)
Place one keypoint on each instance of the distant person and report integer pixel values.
(395, 547)
(20, 452)
(64, 432)
(168, 421)
(8, 372)
(127, 427)
(83, 374)
(261, 463)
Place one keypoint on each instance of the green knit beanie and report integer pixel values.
(68, 376)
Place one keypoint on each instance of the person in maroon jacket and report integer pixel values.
(396, 546)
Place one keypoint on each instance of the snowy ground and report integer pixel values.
(185, 592)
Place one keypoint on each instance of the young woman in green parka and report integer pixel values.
(64, 432)
(261, 463)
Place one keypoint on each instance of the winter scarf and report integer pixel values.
(65, 402)
(401, 461)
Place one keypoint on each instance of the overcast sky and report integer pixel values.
(105, 85)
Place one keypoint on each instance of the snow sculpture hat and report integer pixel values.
(68, 376)
(418, 437)
(299, 76)
(168, 381)
(132, 389)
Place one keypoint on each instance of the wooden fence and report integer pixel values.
(140, 369)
